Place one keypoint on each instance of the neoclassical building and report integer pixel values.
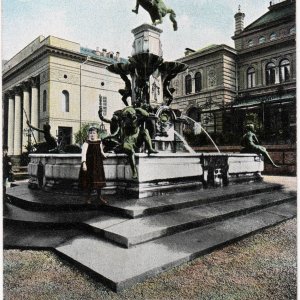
(56, 81)
(255, 81)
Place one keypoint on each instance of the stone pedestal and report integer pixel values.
(147, 41)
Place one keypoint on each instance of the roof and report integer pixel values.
(92, 53)
(277, 12)
(206, 50)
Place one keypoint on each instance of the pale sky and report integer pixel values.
(108, 23)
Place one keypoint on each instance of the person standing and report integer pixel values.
(91, 175)
(7, 170)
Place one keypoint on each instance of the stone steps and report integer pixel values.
(40, 200)
(128, 241)
(136, 231)
(137, 208)
(120, 268)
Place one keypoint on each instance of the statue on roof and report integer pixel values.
(157, 10)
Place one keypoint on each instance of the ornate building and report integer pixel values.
(56, 81)
(225, 88)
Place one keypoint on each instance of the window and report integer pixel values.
(198, 82)
(251, 77)
(44, 101)
(65, 101)
(273, 36)
(188, 84)
(103, 104)
(284, 70)
(261, 40)
(270, 73)
(250, 43)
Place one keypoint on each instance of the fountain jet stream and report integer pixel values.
(186, 145)
(197, 130)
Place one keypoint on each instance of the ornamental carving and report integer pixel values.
(212, 77)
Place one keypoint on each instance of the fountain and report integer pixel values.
(197, 130)
(147, 123)
(177, 220)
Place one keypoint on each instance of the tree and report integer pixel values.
(82, 134)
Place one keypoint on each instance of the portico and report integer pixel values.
(22, 105)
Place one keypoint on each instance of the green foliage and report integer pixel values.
(82, 134)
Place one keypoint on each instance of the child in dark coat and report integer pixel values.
(92, 176)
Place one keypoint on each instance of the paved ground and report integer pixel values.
(259, 267)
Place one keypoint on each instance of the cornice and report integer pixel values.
(268, 26)
(218, 48)
(47, 50)
(41, 52)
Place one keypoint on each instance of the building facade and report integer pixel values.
(58, 82)
(225, 88)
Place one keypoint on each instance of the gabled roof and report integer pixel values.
(277, 12)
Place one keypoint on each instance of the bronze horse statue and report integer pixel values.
(157, 10)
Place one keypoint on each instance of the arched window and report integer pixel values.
(250, 43)
(273, 36)
(251, 77)
(198, 82)
(270, 73)
(261, 40)
(284, 70)
(65, 101)
(188, 84)
(194, 114)
(44, 101)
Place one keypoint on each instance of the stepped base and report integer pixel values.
(120, 268)
(128, 241)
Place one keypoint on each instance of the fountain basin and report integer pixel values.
(156, 173)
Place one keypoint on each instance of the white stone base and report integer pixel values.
(156, 173)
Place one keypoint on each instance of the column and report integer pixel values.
(277, 75)
(10, 123)
(26, 112)
(34, 102)
(18, 123)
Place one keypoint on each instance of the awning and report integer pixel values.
(270, 99)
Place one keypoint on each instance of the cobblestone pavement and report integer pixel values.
(260, 267)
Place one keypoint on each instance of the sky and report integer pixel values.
(108, 23)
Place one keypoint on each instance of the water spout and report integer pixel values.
(186, 145)
(198, 128)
